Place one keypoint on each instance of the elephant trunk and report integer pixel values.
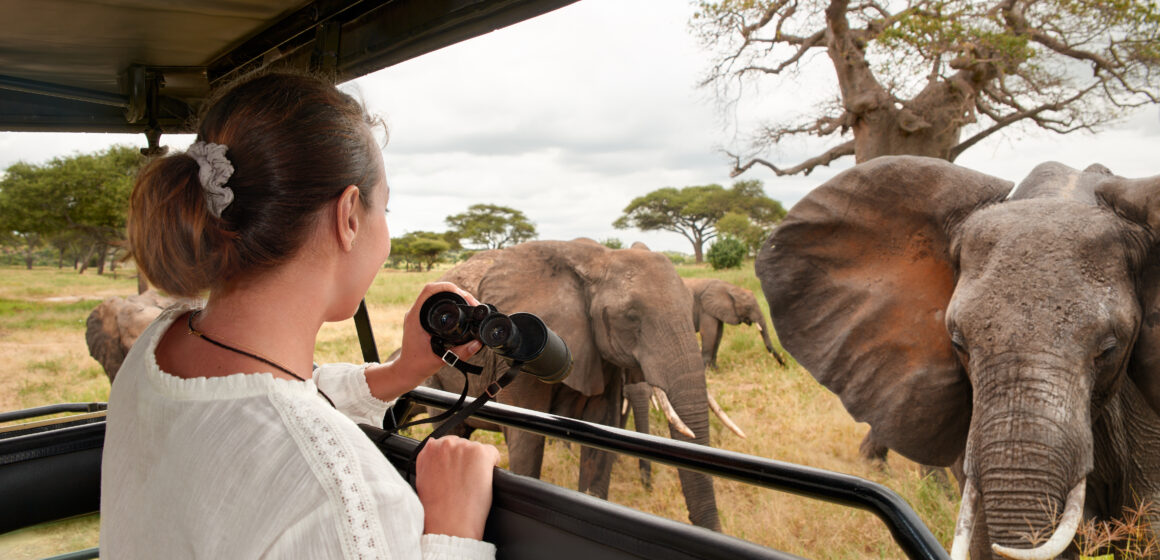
(1029, 450)
(761, 326)
(680, 373)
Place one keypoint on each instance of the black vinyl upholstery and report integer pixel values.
(50, 474)
(531, 519)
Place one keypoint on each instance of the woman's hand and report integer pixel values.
(416, 362)
(453, 479)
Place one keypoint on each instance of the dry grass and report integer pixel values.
(786, 414)
(1128, 538)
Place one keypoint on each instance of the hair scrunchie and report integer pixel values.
(214, 169)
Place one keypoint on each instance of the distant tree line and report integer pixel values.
(485, 226)
(703, 212)
(75, 205)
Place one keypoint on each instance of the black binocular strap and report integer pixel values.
(459, 414)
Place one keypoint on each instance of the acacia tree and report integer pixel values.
(491, 226)
(935, 77)
(695, 211)
(420, 247)
(82, 197)
(24, 217)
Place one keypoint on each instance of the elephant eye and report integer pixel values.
(1109, 350)
(958, 342)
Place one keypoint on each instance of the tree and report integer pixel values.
(935, 77)
(420, 247)
(82, 198)
(727, 252)
(738, 226)
(491, 226)
(25, 214)
(695, 210)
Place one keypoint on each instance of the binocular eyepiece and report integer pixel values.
(522, 337)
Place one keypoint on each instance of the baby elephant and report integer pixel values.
(716, 302)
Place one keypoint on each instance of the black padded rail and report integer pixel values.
(531, 519)
(51, 409)
(50, 474)
(908, 530)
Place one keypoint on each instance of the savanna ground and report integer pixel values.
(785, 413)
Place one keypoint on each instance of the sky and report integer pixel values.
(569, 116)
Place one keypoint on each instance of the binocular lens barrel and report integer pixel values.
(517, 337)
(447, 319)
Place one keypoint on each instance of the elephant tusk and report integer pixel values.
(716, 408)
(624, 408)
(670, 413)
(966, 522)
(1060, 539)
(652, 400)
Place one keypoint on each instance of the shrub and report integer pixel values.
(675, 257)
(727, 252)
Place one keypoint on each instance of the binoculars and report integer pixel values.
(521, 337)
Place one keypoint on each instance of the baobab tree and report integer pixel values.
(934, 77)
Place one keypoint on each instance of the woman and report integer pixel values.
(223, 441)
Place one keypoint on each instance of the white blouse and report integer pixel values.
(253, 466)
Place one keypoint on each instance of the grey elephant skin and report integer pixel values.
(1017, 333)
(717, 303)
(624, 315)
(114, 325)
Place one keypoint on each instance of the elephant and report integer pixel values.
(624, 316)
(1013, 333)
(716, 302)
(114, 325)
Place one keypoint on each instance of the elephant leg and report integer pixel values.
(871, 450)
(526, 449)
(711, 329)
(525, 452)
(638, 397)
(595, 464)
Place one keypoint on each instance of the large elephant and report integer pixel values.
(625, 316)
(1016, 332)
(717, 302)
(114, 325)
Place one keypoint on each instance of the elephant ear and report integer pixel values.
(1138, 201)
(104, 338)
(542, 277)
(858, 277)
(717, 300)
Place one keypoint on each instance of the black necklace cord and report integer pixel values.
(224, 346)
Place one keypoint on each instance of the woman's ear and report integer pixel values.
(346, 217)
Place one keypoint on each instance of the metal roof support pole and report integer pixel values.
(324, 58)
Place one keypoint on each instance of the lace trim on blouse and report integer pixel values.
(332, 460)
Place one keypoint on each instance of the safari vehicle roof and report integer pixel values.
(120, 65)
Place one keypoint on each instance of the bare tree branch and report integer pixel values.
(806, 167)
(1005, 121)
